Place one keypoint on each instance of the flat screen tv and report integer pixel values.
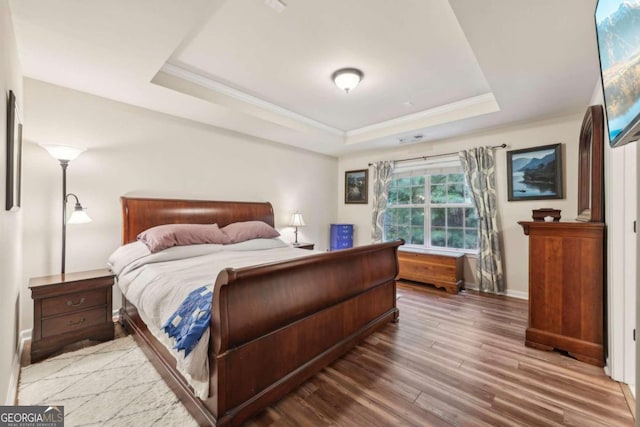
(618, 30)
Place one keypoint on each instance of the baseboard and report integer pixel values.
(471, 287)
(509, 293)
(518, 294)
(12, 392)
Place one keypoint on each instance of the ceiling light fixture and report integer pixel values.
(347, 78)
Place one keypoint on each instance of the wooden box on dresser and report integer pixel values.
(68, 308)
(566, 288)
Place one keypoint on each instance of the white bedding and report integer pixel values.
(158, 283)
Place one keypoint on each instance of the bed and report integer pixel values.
(273, 325)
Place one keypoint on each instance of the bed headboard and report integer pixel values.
(139, 214)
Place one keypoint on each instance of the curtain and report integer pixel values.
(480, 171)
(381, 181)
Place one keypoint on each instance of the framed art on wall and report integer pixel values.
(14, 154)
(356, 184)
(535, 173)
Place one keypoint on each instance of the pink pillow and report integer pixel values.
(165, 236)
(247, 230)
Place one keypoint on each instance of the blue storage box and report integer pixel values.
(341, 236)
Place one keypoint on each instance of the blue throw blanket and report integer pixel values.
(190, 320)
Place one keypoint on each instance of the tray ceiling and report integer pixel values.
(433, 68)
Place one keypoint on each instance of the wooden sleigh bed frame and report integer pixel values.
(275, 325)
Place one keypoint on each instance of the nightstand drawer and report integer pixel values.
(73, 302)
(71, 322)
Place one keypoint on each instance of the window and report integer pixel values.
(430, 206)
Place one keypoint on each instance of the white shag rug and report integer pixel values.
(109, 384)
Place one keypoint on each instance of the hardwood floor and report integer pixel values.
(453, 360)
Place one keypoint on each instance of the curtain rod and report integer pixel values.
(437, 155)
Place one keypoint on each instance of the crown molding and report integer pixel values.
(238, 95)
(470, 107)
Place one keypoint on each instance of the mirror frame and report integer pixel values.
(591, 166)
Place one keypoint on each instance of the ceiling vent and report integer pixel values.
(411, 139)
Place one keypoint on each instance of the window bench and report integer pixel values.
(441, 269)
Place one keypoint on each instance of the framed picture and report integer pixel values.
(356, 185)
(14, 154)
(535, 173)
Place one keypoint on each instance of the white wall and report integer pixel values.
(565, 130)
(620, 191)
(133, 151)
(637, 381)
(10, 222)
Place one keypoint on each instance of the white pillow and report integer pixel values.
(256, 245)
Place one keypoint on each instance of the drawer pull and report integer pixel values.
(79, 322)
(71, 304)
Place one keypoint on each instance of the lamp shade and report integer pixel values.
(347, 78)
(297, 220)
(63, 152)
(79, 216)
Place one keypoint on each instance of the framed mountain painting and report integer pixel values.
(535, 173)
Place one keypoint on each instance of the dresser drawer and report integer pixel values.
(73, 302)
(74, 321)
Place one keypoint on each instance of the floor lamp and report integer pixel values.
(79, 216)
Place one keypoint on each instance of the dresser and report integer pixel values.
(566, 288)
(341, 236)
(68, 308)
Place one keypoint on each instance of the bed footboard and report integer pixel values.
(275, 325)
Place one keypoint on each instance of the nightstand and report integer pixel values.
(309, 246)
(68, 308)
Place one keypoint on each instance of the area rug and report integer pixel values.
(110, 384)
